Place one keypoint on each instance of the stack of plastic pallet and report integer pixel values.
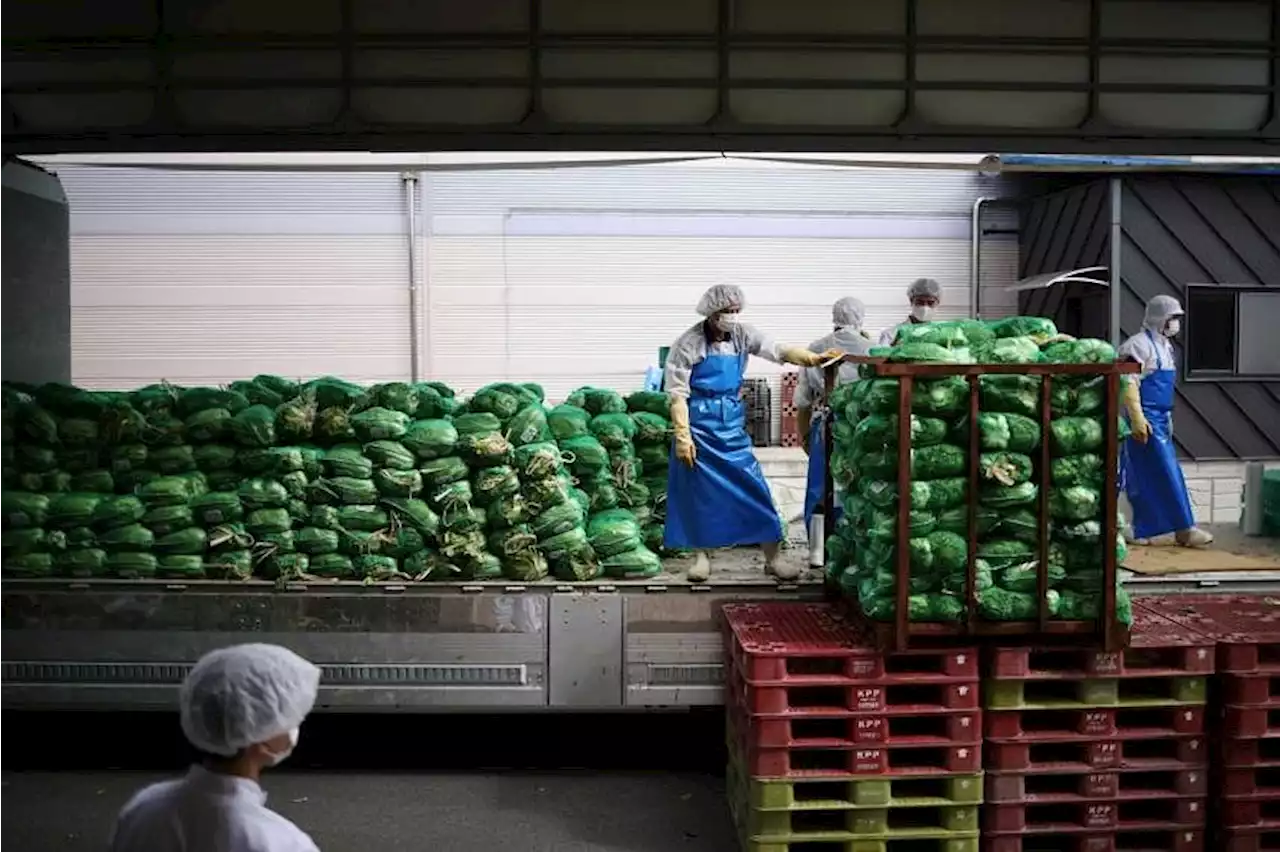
(836, 746)
(1246, 745)
(1098, 752)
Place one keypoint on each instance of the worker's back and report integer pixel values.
(205, 812)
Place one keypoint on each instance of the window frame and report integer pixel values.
(1236, 290)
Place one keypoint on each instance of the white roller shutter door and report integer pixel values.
(206, 277)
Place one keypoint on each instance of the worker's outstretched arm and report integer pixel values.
(682, 435)
(804, 358)
(1132, 401)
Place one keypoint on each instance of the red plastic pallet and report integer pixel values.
(1158, 646)
(1085, 755)
(1074, 817)
(1256, 781)
(942, 728)
(817, 700)
(814, 644)
(1249, 813)
(1249, 752)
(1252, 722)
(1246, 628)
(1122, 840)
(1258, 689)
(1249, 840)
(1004, 787)
(1091, 723)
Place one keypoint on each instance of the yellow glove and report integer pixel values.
(680, 427)
(1133, 407)
(804, 419)
(805, 358)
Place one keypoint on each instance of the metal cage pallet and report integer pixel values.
(1094, 692)
(1074, 817)
(1091, 723)
(1048, 787)
(1082, 756)
(1122, 840)
(1246, 629)
(901, 631)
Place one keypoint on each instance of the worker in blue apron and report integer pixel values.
(812, 414)
(717, 495)
(924, 295)
(1150, 473)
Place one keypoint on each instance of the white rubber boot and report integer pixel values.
(1194, 537)
(700, 571)
(772, 567)
(817, 540)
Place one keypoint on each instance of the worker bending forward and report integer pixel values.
(716, 493)
(847, 316)
(1150, 474)
(924, 295)
(241, 707)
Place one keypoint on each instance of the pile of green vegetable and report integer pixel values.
(862, 551)
(282, 480)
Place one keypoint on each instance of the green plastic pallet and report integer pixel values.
(792, 827)
(915, 843)
(883, 791)
(1093, 692)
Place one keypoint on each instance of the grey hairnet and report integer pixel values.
(924, 287)
(848, 313)
(1159, 311)
(721, 297)
(235, 697)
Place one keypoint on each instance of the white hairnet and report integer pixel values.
(721, 297)
(235, 697)
(848, 313)
(924, 287)
(1159, 311)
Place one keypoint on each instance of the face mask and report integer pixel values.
(275, 758)
(724, 322)
(921, 313)
(1172, 327)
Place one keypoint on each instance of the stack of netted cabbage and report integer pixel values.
(862, 549)
(597, 435)
(651, 411)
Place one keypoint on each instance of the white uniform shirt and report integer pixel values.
(205, 812)
(691, 348)
(812, 385)
(1141, 349)
(887, 336)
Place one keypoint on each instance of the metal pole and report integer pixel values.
(1117, 187)
(975, 255)
(410, 180)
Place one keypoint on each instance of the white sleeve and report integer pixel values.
(688, 350)
(756, 342)
(1138, 348)
(887, 336)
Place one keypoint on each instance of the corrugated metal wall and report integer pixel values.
(563, 276)
(1176, 231)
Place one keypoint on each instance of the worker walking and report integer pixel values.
(241, 707)
(924, 295)
(1150, 475)
(716, 493)
(847, 335)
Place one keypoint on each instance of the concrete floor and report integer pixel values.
(577, 811)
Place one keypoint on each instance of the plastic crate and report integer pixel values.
(1090, 723)
(758, 399)
(1246, 628)
(1088, 786)
(1087, 755)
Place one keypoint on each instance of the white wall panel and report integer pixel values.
(206, 277)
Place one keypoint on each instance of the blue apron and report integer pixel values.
(817, 476)
(1152, 476)
(723, 500)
